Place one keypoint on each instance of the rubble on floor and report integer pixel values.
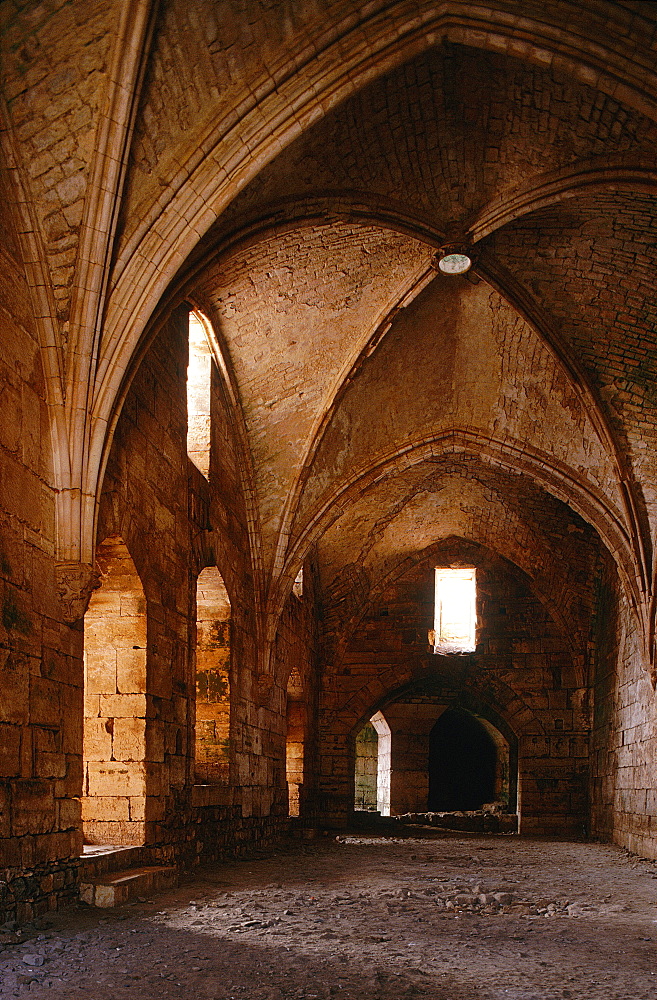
(473, 820)
(447, 917)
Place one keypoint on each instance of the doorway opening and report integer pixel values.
(373, 768)
(466, 770)
(296, 743)
(114, 745)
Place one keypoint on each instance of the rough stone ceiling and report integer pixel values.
(294, 312)
(463, 359)
(591, 262)
(458, 369)
(203, 52)
(439, 145)
(9, 241)
(442, 136)
(55, 60)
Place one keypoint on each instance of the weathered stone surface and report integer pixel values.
(75, 584)
(359, 417)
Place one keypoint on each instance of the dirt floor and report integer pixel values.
(449, 917)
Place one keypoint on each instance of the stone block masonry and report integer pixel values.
(221, 573)
(510, 683)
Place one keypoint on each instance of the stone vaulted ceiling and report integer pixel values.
(294, 180)
(440, 147)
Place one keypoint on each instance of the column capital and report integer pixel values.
(76, 582)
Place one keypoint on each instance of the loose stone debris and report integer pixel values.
(450, 917)
(472, 821)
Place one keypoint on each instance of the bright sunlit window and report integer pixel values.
(455, 613)
(199, 377)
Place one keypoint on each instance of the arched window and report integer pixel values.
(199, 380)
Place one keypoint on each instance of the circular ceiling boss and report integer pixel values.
(454, 258)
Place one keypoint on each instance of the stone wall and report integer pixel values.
(144, 501)
(40, 655)
(521, 679)
(285, 171)
(212, 729)
(411, 721)
(189, 541)
(624, 737)
(296, 665)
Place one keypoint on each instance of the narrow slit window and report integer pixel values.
(455, 613)
(199, 380)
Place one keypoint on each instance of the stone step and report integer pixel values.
(115, 888)
(97, 861)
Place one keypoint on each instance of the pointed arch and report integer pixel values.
(114, 750)
(349, 55)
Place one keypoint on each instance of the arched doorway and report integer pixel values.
(463, 763)
(114, 749)
(372, 767)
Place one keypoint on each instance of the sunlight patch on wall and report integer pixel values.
(199, 378)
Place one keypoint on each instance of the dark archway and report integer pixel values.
(462, 763)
